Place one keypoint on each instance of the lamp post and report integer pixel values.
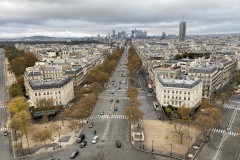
(59, 136)
(171, 151)
(152, 145)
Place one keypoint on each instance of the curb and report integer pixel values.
(178, 158)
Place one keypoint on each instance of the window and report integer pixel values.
(188, 93)
(59, 92)
(44, 93)
(47, 93)
(189, 99)
(39, 94)
(180, 92)
(35, 94)
(164, 91)
(164, 96)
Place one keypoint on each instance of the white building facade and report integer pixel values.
(178, 92)
(60, 91)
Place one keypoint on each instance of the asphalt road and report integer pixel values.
(224, 143)
(110, 127)
(4, 140)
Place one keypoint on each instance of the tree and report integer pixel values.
(18, 65)
(95, 87)
(178, 56)
(132, 92)
(206, 103)
(45, 104)
(30, 59)
(133, 113)
(24, 123)
(168, 112)
(54, 127)
(20, 81)
(42, 136)
(16, 105)
(15, 90)
(180, 131)
(207, 118)
(134, 102)
(223, 97)
(74, 125)
(184, 113)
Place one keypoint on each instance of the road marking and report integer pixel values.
(2, 106)
(4, 129)
(232, 106)
(108, 117)
(231, 133)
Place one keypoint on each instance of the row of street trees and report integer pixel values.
(132, 111)
(19, 61)
(86, 96)
(20, 120)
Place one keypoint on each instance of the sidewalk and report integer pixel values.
(57, 144)
(10, 76)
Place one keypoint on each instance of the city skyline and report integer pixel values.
(75, 18)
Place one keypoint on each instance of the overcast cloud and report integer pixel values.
(76, 18)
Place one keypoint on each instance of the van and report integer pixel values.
(95, 139)
(80, 138)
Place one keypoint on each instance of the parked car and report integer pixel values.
(102, 113)
(111, 100)
(80, 138)
(115, 108)
(118, 144)
(117, 101)
(90, 125)
(83, 144)
(95, 139)
(74, 154)
(5, 133)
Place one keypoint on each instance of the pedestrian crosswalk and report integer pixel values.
(107, 97)
(230, 106)
(108, 117)
(2, 106)
(4, 129)
(225, 132)
(232, 101)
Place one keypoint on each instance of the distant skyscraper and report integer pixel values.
(182, 31)
(163, 35)
(113, 33)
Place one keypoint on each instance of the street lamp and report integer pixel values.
(152, 145)
(171, 151)
(59, 136)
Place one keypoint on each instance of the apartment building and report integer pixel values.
(178, 92)
(61, 91)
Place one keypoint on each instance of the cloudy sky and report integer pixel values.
(76, 18)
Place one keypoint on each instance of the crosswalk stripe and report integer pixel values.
(224, 131)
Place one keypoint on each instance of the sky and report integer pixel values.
(79, 18)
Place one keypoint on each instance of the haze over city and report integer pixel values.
(75, 18)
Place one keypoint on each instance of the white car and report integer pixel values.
(95, 139)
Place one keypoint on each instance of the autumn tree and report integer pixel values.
(132, 92)
(45, 104)
(184, 113)
(133, 113)
(180, 131)
(20, 81)
(16, 105)
(207, 119)
(15, 90)
(95, 87)
(134, 102)
(74, 125)
(42, 136)
(23, 120)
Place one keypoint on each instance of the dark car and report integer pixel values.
(115, 108)
(74, 154)
(206, 140)
(5, 133)
(111, 100)
(90, 125)
(118, 144)
(83, 144)
(117, 101)
(80, 138)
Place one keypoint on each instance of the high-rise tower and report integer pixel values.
(182, 31)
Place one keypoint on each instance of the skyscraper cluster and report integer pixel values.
(138, 34)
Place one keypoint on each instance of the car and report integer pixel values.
(74, 154)
(118, 144)
(206, 140)
(5, 133)
(80, 138)
(120, 82)
(90, 125)
(111, 100)
(83, 144)
(102, 113)
(115, 108)
(95, 139)
(117, 101)
(123, 82)
(112, 92)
